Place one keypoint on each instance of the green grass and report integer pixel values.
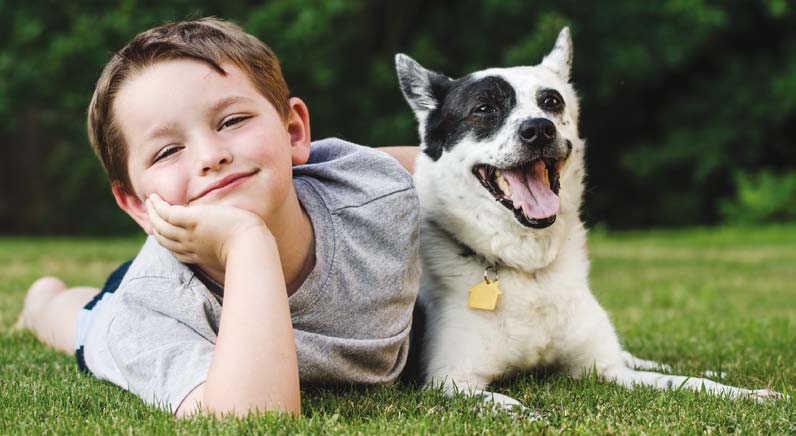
(700, 299)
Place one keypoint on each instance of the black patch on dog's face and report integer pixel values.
(467, 106)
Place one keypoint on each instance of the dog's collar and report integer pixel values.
(482, 295)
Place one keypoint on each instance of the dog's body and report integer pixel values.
(500, 180)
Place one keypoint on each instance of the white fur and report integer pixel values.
(546, 314)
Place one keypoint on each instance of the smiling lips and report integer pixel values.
(229, 181)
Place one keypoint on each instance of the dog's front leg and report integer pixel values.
(456, 376)
(455, 382)
(461, 363)
(630, 378)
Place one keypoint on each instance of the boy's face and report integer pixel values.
(195, 136)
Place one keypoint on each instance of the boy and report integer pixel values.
(316, 249)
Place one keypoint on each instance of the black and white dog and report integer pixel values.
(505, 270)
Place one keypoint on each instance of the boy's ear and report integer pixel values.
(298, 127)
(132, 205)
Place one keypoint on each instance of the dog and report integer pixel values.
(505, 285)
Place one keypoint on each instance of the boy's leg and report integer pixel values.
(51, 310)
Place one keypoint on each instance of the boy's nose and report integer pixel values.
(213, 157)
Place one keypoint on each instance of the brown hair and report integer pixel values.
(209, 40)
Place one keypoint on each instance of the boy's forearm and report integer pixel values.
(254, 366)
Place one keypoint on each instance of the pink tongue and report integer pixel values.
(530, 192)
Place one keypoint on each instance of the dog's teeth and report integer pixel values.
(548, 175)
(503, 184)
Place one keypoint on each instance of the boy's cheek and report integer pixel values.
(170, 182)
(170, 192)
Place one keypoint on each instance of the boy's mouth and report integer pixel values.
(530, 190)
(229, 182)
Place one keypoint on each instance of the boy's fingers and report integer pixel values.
(181, 216)
(176, 249)
(162, 226)
(177, 215)
(162, 208)
(173, 246)
(184, 257)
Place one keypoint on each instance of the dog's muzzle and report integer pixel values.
(530, 191)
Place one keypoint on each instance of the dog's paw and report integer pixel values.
(498, 400)
(766, 396)
(492, 402)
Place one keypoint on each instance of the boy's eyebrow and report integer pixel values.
(168, 129)
(227, 101)
(161, 131)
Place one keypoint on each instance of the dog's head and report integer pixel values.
(505, 133)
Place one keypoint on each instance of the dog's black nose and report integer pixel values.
(537, 131)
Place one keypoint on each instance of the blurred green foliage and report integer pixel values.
(677, 96)
(762, 197)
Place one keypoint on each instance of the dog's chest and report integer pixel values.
(532, 316)
(528, 321)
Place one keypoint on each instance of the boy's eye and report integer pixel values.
(231, 122)
(166, 152)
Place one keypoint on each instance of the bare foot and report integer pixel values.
(39, 294)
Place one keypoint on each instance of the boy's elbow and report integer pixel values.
(244, 410)
(200, 402)
(243, 407)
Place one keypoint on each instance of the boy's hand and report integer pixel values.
(201, 235)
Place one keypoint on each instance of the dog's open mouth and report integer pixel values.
(530, 190)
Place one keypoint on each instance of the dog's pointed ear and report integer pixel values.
(418, 84)
(559, 60)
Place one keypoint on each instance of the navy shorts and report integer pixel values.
(84, 318)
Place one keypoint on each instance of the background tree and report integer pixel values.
(689, 106)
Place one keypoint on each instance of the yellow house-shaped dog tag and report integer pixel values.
(484, 296)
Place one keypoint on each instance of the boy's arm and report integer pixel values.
(404, 154)
(254, 365)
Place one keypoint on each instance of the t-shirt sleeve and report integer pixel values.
(162, 346)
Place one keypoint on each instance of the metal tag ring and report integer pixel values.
(486, 274)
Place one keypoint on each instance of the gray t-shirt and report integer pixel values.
(155, 336)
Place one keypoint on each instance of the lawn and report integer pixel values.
(699, 299)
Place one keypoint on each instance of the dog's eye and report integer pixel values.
(485, 109)
(552, 102)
